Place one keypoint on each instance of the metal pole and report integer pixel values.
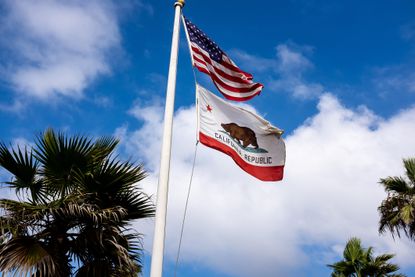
(163, 185)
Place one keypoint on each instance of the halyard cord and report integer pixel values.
(194, 161)
(185, 211)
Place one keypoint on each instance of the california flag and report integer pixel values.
(252, 142)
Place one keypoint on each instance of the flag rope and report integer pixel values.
(185, 211)
(194, 76)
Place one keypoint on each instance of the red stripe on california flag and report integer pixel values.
(264, 173)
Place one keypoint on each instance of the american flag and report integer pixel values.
(229, 79)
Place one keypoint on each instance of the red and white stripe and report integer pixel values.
(230, 80)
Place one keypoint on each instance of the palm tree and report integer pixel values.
(359, 262)
(397, 210)
(76, 205)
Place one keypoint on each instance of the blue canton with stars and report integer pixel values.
(200, 38)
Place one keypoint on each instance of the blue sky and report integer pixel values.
(339, 79)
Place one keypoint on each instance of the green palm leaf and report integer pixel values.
(409, 165)
(81, 200)
(397, 210)
(360, 262)
(395, 185)
(24, 167)
(25, 256)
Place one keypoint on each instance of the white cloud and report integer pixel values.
(400, 78)
(57, 47)
(291, 61)
(285, 72)
(17, 105)
(22, 143)
(103, 101)
(292, 64)
(143, 140)
(245, 227)
(252, 62)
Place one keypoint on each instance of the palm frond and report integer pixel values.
(137, 203)
(22, 214)
(95, 268)
(359, 261)
(109, 244)
(342, 268)
(103, 147)
(389, 216)
(397, 214)
(381, 259)
(353, 250)
(114, 184)
(396, 185)
(60, 156)
(82, 200)
(406, 214)
(23, 166)
(113, 177)
(409, 165)
(397, 210)
(89, 213)
(26, 256)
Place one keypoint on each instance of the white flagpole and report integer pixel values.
(163, 185)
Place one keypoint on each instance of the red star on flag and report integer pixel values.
(209, 108)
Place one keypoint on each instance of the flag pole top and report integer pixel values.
(180, 3)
